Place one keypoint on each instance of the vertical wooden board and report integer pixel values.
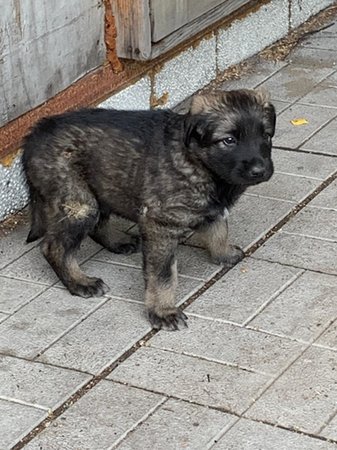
(133, 28)
(168, 16)
(45, 45)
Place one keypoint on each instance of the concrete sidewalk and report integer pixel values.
(257, 367)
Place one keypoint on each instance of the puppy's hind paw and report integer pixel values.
(172, 319)
(92, 287)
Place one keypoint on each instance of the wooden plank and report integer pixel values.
(168, 16)
(196, 26)
(44, 47)
(133, 28)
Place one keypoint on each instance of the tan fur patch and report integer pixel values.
(76, 210)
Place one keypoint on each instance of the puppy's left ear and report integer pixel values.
(269, 115)
(196, 128)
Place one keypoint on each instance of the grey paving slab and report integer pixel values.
(187, 426)
(303, 310)
(305, 395)
(3, 317)
(324, 141)
(15, 293)
(257, 75)
(291, 136)
(192, 379)
(192, 262)
(314, 222)
(231, 344)
(42, 321)
(323, 94)
(34, 267)
(127, 282)
(16, 421)
(101, 338)
(300, 251)
(37, 384)
(312, 59)
(98, 419)
(250, 435)
(330, 431)
(322, 41)
(292, 82)
(251, 218)
(13, 245)
(327, 198)
(243, 290)
(286, 187)
(304, 164)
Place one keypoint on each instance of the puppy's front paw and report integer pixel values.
(170, 319)
(91, 287)
(233, 255)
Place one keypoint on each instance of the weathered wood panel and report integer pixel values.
(133, 28)
(195, 26)
(45, 45)
(168, 16)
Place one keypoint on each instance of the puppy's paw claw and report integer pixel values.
(234, 255)
(171, 320)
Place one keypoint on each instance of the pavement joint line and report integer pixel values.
(273, 297)
(221, 433)
(214, 319)
(22, 402)
(295, 175)
(147, 415)
(278, 335)
(317, 238)
(318, 129)
(287, 63)
(305, 151)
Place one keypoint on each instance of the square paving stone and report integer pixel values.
(227, 343)
(324, 94)
(322, 41)
(249, 435)
(324, 141)
(98, 419)
(37, 384)
(290, 136)
(243, 290)
(303, 310)
(192, 262)
(312, 59)
(127, 282)
(101, 338)
(286, 187)
(314, 222)
(16, 421)
(15, 293)
(192, 379)
(304, 164)
(300, 251)
(292, 82)
(42, 321)
(13, 245)
(304, 397)
(187, 426)
(327, 198)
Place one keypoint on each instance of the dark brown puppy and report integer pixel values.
(170, 173)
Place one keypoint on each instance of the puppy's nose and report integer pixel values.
(257, 171)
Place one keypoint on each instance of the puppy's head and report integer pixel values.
(231, 134)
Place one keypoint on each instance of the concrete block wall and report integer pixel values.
(186, 73)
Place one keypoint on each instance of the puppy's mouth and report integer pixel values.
(249, 179)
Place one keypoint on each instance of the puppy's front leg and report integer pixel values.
(215, 239)
(160, 274)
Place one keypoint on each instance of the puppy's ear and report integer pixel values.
(269, 115)
(204, 103)
(197, 129)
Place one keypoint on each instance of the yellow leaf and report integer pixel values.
(298, 122)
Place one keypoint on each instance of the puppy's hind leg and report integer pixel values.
(38, 225)
(69, 227)
(106, 234)
(215, 238)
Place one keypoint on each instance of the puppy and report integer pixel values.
(170, 173)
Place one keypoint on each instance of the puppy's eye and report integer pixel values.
(229, 140)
